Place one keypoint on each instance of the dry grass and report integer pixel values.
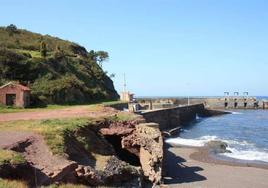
(12, 184)
(4, 183)
(10, 157)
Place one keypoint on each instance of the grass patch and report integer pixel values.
(109, 103)
(34, 54)
(12, 183)
(53, 130)
(13, 109)
(8, 109)
(5, 183)
(10, 157)
(124, 116)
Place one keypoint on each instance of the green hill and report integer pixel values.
(58, 71)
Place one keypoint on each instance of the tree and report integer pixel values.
(101, 56)
(12, 29)
(92, 55)
(43, 49)
(98, 57)
(112, 75)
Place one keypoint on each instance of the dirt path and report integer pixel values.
(78, 111)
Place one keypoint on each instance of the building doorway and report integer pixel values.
(10, 99)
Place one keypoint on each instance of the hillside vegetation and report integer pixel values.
(57, 71)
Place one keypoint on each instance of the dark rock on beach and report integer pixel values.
(217, 146)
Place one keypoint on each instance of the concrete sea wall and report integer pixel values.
(174, 117)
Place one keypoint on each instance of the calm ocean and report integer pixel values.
(245, 132)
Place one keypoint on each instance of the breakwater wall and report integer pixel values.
(235, 102)
(170, 118)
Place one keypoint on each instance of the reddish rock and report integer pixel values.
(147, 143)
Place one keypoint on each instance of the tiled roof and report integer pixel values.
(22, 87)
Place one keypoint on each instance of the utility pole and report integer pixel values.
(125, 84)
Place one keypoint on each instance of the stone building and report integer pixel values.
(14, 94)
(126, 96)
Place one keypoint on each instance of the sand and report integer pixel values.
(188, 167)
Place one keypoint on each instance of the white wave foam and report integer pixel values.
(236, 113)
(185, 142)
(199, 142)
(208, 138)
(240, 143)
(251, 155)
(240, 149)
(197, 117)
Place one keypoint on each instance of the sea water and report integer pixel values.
(245, 132)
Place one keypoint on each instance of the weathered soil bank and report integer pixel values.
(111, 153)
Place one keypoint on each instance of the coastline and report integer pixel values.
(202, 154)
(195, 167)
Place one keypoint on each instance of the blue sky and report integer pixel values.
(165, 47)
